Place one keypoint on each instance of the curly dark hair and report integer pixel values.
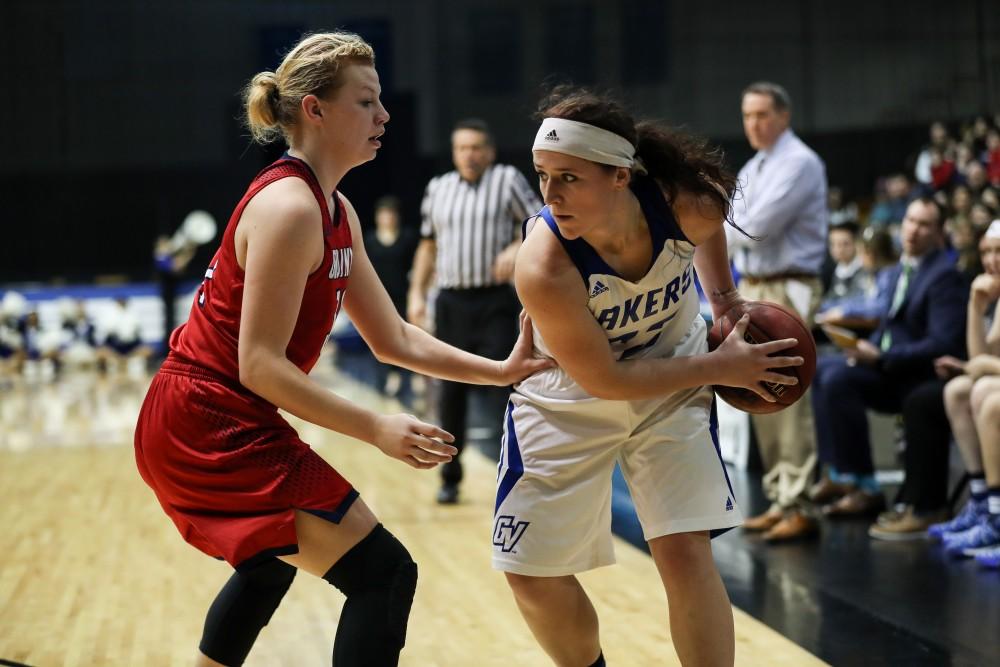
(675, 159)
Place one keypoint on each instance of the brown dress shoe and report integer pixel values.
(795, 526)
(856, 503)
(763, 522)
(826, 491)
(908, 525)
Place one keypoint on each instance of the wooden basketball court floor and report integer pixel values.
(93, 573)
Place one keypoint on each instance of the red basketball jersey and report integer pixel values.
(210, 336)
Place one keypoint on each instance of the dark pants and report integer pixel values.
(482, 321)
(928, 435)
(841, 394)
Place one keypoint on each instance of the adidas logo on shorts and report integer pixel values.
(599, 287)
(552, 136)
(729, 504)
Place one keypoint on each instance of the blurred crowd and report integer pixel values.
(102, 335)
(959, 170)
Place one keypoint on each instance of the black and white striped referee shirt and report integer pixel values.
(473, 222)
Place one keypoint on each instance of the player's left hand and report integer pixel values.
(521, 363)
(730, 305)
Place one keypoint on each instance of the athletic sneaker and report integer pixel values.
(978, 538)
(967, 518)
(989, 558)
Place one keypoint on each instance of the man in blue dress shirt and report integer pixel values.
(783, 205)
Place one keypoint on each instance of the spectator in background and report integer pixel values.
(390, 247)
(963, 158)
(471, 231)
(861, 312)
(170, 258)
(961, 201)
(121, 340)
(980, 129)
(13, 307)
(889, 211)
(41, 347)
(991, 197)
(939, 145)
(784, 205)
(840, 211)
(923, 322)
(923, 497)
(973, 406)
(942, 168)
(975, 179)
(962, 237)
(848, 277)
(79, 334)
(993, 157)
(981, 215)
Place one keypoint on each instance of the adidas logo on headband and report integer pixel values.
(552, 136)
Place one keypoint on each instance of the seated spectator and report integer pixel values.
(963, 158)
(13, 307)
(840, 211)
(975, 179)
(861, 312)
(41, 348)
(922, 500)
(942, 169)
(848, 278)
(122, 344)
(940, 142)
(78, 345)
(993, 157)
(981, 215)
(924, 320)
(972, 400)
(991, 197)
(963, 237)
(889, 211)
(960, 201)
(980, 129)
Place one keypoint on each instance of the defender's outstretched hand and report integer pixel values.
(412, 441)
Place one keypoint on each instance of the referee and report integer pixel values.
(471, 230)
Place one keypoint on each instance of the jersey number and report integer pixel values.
(201, 288)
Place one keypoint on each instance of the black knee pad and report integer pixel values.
(379, 578)
(242, 608)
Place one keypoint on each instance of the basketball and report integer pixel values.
(768, 321)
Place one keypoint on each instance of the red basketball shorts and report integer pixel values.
(228, 469)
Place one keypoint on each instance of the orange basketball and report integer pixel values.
(768, 321)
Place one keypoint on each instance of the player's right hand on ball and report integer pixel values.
(412, 441)
(741, 364)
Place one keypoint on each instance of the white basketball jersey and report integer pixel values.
(553, 507)
(645, 318)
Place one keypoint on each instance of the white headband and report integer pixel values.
(586, 141)
(993, 231)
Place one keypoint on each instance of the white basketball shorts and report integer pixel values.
(553, 505)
